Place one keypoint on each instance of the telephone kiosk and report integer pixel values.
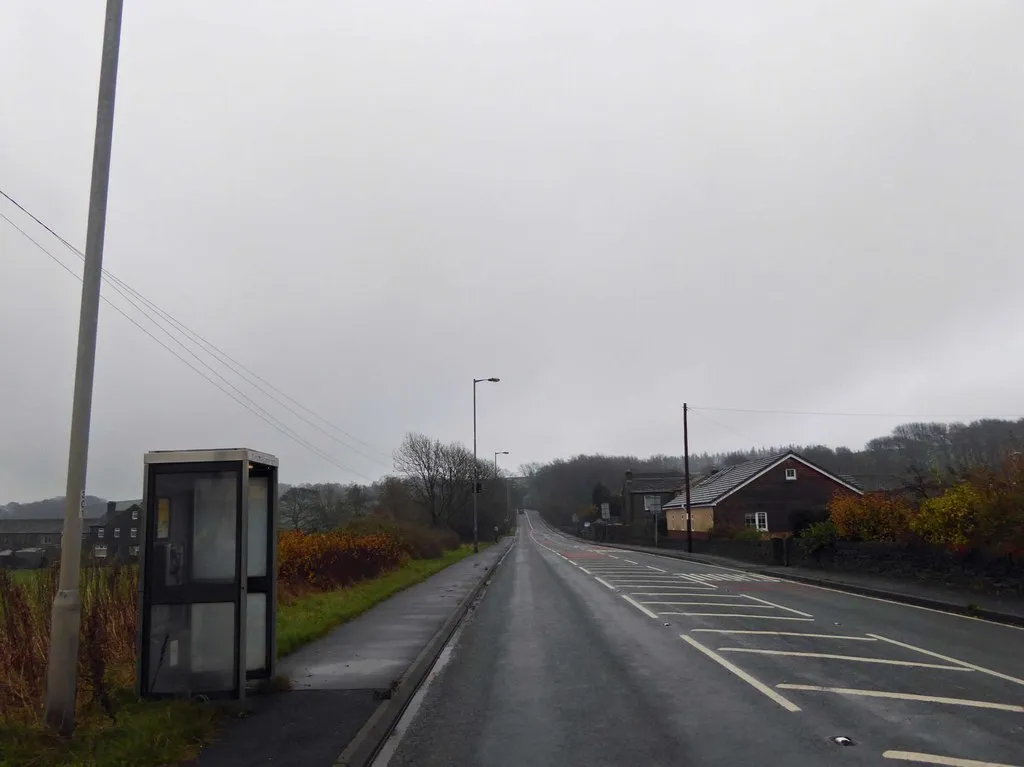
(208, 573)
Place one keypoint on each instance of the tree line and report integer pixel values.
(920, 458)
(432, 486)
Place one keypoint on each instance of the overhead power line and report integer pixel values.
(236, 394)
(976, 416)
(222, 356)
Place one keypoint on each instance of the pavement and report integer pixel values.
(581, 654)
(1003, 608)
(338, 682)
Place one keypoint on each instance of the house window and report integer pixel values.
(133, 551)
(135, 532)
(100, 532)
(790, 475)
(100, 551)
(117, 532)
(45, 540)
(757, 519)
(135, 514)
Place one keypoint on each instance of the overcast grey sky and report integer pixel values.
(614, 205)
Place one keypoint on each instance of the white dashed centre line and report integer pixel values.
(603, 582)
(906, 696)
(652, 567)
(946, 761)
(854, 658)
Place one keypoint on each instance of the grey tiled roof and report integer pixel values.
(656, 483)
(713, 487)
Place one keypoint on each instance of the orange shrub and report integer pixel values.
(870, 517)
(325, 561)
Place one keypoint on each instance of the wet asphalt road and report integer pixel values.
(582, 655)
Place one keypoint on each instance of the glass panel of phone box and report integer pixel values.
(192, 645)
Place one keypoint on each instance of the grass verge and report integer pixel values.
(158, 733)
(313, 616)
(146, 733)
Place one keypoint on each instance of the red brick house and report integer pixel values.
(777, 495)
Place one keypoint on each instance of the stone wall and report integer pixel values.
(976, 570)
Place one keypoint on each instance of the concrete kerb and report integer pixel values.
(361, 751)
(852, 588)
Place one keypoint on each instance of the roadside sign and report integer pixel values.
(652, 503)
(606, 510)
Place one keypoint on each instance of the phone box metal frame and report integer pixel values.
(207, 606)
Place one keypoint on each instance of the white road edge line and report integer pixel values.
(905, 696)
(781, 607)
(759, 686)
(603, 582)
(948, 761)
(640, 607)
(785, 634)
(830, 656)
(971, 666)
(652, 567)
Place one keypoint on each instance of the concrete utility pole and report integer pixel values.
(476, 466)
(61, 679)
(686, 477)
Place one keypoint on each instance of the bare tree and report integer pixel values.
(420, 460)
(297, 507)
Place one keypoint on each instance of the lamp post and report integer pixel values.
(502, 452)
(476, 467)
(66, 616)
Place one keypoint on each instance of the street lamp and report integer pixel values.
(502, 452)
(476, 468)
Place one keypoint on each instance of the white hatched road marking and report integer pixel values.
(709, 595)
(748, 615)
(710, 604)
(652, 567)
(971, 666)
(640, 607)
(905, 696)
(657, 585)
(856, 658)
(603, 582)
(781, 607)
(757, 685)
(786, 634)
(737, 577)
(947, 761)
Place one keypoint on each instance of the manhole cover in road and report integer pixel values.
(841, 740)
